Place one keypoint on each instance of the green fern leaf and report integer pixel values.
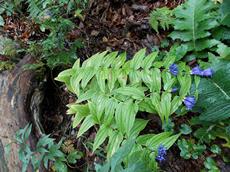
(193, 21)
(161, 17)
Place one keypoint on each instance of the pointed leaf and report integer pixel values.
(87, 123)
(101, 135)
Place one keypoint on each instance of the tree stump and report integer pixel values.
(16, 87)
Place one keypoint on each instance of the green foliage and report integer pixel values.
(49, 14)
(161, 17)
(139, 155)
(215, 149)
(54, 18)
(225, 13)
(185, 129)
(188, 149)
(46, 9)
(134, 163)
(8, 7)
(106, 80)
(46, 150)
(5, 65)
(8, 47)
(192, 24)
(214, 93)
(208, 132)
(111, 91)
(210, 165)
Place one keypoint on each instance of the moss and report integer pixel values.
(5, 65)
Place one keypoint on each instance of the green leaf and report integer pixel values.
(156, 77)
(64, 76)
(129, 112)
(119, 61)
(101, 77)
(86, 96)
(110, 107)
(176, 102)
(225, 13)
(101, 135)
(60, 166)
(168, 142)
(77, 120)
(1, 21)
(161, 17)
(115, 140)
(192, 24)
(72, 157)
(44, 141)
(210, 164)
(215, 149)
(146, 106)
(137, 59)
(87, 123)
(109, 59)
(125, 116)
(224, 51)
(112, 78)
(154, 141)
(133, 92)
(27, 132)
(148, 60)
(165, 105)
(115, 163)
(77, 108)
(138, 126)
(214, 94)
(119, 117)
(185, 129)
(168, 61)
(87, 75)
(121, 154)
(185, 83)
(94, 61)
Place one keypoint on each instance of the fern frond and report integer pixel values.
(161, 17)
(193, 22)
(37, 8)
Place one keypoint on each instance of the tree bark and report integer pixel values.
(16, 87)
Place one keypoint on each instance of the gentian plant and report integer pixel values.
(111, 91)
(161, 153)
(204, 73)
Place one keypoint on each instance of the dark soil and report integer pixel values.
(120, 25)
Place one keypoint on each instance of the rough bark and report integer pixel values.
(15, 91)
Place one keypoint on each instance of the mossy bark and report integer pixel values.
(16, 87)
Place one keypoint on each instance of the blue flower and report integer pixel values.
(161, 153)
(189, 102)
(173, 69)
(174, 89)
(196, 71)
(207, 72)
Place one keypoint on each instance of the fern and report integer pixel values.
(194, 20)
(161, 17)
(37, 7)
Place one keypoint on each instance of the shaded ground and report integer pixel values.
(120, 25)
